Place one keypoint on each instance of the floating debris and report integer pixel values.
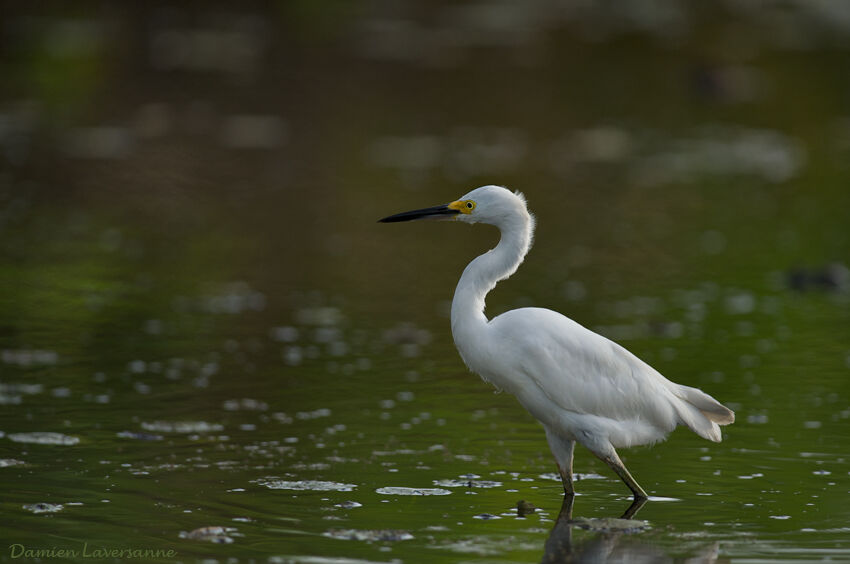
(524, 508)
(218, 535)
(486, 516)
(44, 438)
(397, 490)
(833, 277)
(182, 427)
(44, 507)
(384, 535)
(306, 485)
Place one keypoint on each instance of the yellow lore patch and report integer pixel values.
(463, 206)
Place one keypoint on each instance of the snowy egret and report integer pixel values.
(581, 386)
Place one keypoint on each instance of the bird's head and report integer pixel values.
(493, 205)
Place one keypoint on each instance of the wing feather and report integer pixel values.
(583, 372)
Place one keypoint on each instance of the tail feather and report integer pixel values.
(697, 422)
(707, 405)
(702, 413)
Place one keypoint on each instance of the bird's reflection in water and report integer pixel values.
(612, 544)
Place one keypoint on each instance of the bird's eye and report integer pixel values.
(470, 205)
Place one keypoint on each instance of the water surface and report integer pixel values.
(209, 346)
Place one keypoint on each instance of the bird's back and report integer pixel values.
(580, 382)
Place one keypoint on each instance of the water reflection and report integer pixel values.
(615, 540)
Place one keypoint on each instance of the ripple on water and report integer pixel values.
(605, 525)
(368, 536)
(26, 358)
(660, 498)
(138, 436)
(578, 477)
(397, 490)
(182, 427)
(315, 414)
(16, 388)
(305, 559)
(244, 404)
(306, 485)
(6, 462)
(486, 516)
(467, 483)
(218, 535)
(486, 546)
(44, 438)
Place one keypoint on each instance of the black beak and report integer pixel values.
(437, 212)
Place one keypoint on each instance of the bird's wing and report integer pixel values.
(579, 370)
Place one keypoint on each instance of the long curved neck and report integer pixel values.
(482, 274)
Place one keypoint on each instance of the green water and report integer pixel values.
(197, 303)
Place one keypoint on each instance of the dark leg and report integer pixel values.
(612, 460)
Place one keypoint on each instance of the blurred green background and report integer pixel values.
(198, 306)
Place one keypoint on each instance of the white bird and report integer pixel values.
(581, 386)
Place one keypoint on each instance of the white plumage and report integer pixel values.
(581, 386)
